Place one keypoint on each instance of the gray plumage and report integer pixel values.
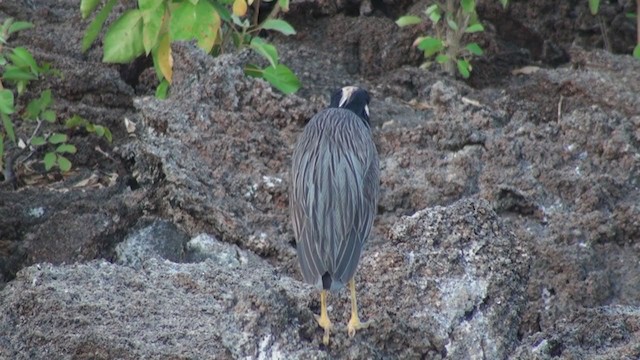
(334, 190)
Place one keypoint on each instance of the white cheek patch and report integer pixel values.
(366, 110)
(347, 91)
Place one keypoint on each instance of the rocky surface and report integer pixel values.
(508, 223)
(457, 262)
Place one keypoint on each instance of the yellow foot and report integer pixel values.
(324, 323)
(355, 324)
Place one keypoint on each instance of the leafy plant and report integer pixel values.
(76, 122)
(452, 20)
(216, 25)
(19, 68)
(594, 7)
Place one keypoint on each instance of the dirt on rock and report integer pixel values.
(508, 224)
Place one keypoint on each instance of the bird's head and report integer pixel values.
(352, 98)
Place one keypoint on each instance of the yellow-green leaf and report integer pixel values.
(408, 20)
(164, 58)
(594, 6)
(284, 5)
(207, 25)
(123, 40)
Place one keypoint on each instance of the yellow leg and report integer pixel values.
(354, 322)
(323, 319)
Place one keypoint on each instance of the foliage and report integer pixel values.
(594, 7)
(76, 122)
(452, 20)
(215, 25)
(18, 68)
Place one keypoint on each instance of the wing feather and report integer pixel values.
(333, 197)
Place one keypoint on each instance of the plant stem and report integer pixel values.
(638, 21)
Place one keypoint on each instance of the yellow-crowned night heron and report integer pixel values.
(333, 197)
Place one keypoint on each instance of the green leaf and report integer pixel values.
(49, 160)
(442, 58)
(21, 57)
(66, 148)
(123, 41)
(103, 132)
(6, 102)
(183, 19)
(87, 7)
(504, 3)
(282, 78)
(474, 28)
(435, 16)
(162, 90)
(8, 126)
(630, 15)
(468, 6)
(37, 106)
(278, 25)
(594, 6)
(38, 140)
(408, 20)
(93, 30)
(46, 99)
(75, 121)
(474, 49)
(107, 134)
(223, 11)
(3, 60)
(430, 46)
(452, 24)
(265, 49)
(63, 163)
(207, 25)
(253, 71)
(14, 73)
(1, 150)
(57, 138)
(49, 116)
(284, 5)
(464, 68)
(152, 17)
(636, 52)
(432, 8)
(19, 26)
